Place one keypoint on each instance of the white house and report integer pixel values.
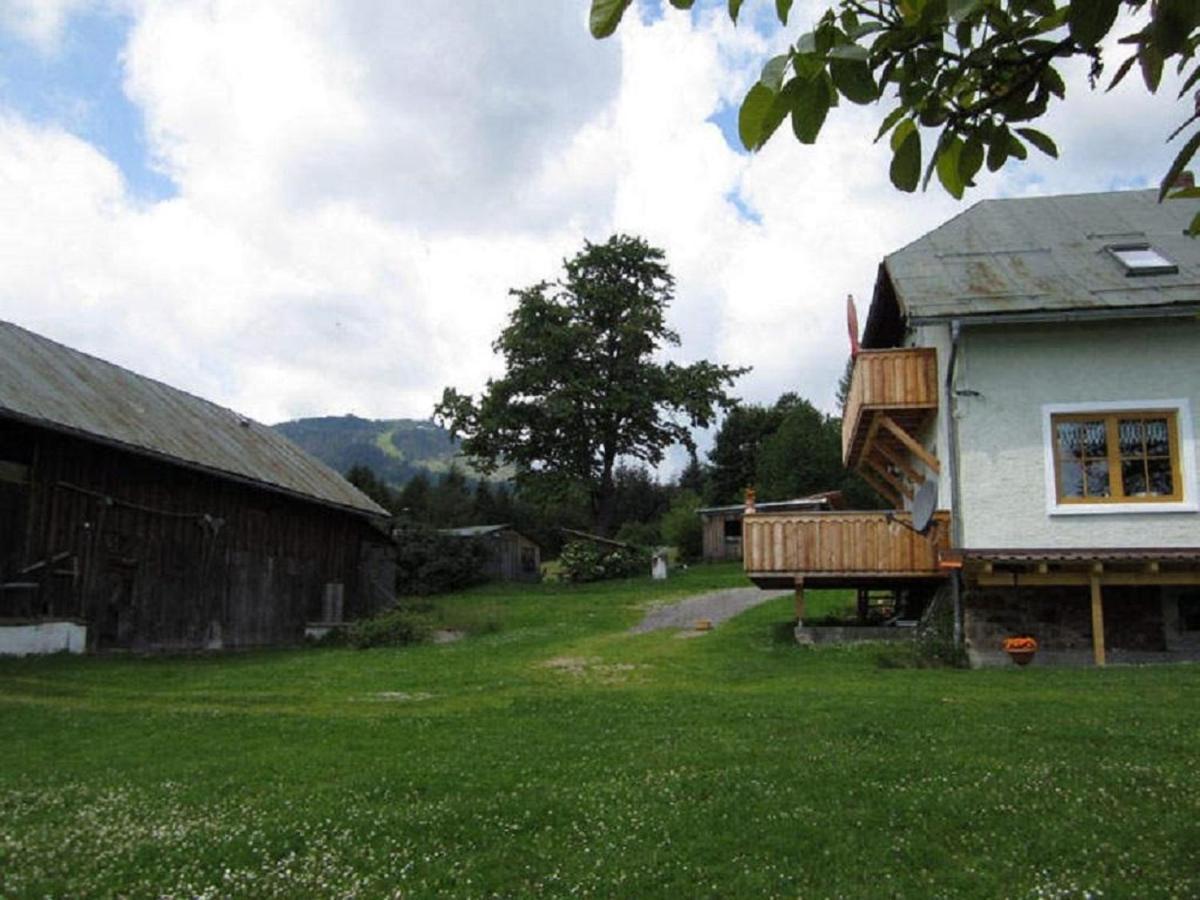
(1039, 358)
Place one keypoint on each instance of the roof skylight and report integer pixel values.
(1142, 259)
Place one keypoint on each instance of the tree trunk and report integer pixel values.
(604, 496)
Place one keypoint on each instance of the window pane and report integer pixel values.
(1070, 440)
(1070, 476)
(1133, 477)
(1162, 480)
(1097, 479)
(1095, 439)
(1158, 438)
(1132, 433)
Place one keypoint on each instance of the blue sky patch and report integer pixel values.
(745, 210)
(77, 87)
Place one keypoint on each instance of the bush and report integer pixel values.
(681, 526)
(430, 562)
(591, 561)
(640, 534)
(395, 628)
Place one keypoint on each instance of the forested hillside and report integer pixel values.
(394, 449)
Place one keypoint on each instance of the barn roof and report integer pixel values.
(48, 384)
(1041, 254)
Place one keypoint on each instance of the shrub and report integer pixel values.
(681, 526)
(397, 627)
(430, 562)
(640, 534)
(591, 561)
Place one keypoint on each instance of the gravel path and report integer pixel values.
(716, 607)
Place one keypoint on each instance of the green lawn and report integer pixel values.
(562, 756)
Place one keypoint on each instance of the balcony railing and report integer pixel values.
(841, 548)
(900, 384)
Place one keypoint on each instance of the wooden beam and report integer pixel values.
(1083, 579)
(901, 463)
(887, 476)
(882, 489)
(907, 440)
(1097, 620)
(1043, 568)
(799, 600)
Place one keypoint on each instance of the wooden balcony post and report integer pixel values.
(1097, 617)
(799, 601)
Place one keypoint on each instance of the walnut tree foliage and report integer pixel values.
(976, 71)
(583, 387)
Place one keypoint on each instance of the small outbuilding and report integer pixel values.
(511, 555)
(135, 516)
(723, 524)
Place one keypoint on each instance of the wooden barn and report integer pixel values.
(511, 555)
(159, 521)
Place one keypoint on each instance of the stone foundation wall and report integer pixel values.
(1136, 619)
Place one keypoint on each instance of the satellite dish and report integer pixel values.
(924, 505)
(852, 325)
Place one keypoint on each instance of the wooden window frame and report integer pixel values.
(1181, 449)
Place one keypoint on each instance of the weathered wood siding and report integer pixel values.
(155, 556)
(513, 557)
(717, 547)
(886, 380)
(841, 543)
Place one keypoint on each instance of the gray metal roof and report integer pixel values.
(48, 384)
(1035, 254)
(475, 530)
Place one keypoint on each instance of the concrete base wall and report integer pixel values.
(850, 634)
(41, 638)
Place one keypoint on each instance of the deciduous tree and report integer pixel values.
(584, 385)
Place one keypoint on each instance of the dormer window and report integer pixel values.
(1142, 259)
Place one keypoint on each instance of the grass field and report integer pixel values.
(562, 756)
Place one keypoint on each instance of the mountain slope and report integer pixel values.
(396, 449)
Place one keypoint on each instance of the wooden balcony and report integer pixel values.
(893, 395)
(841, 549)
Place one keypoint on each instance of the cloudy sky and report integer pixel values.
(318, 207)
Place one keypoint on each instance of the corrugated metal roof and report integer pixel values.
(475, 530)
(1034, 254)
(46, 383)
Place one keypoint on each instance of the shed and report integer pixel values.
(161, 521)
(511, 555)
(723, 524)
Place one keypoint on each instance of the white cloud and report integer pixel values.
(360, 185)
(40, 22)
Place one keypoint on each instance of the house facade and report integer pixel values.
(1039, 359)
(134, 516)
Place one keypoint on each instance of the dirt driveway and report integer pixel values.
(716, 607)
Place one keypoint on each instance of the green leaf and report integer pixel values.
(1151, 61)
(1016, 148)
(997, 154)
(773, 72)
(810, 106)
(1192, 193)
(948, 171)
(782, 8)
(1193, 230)
(971, 160)
(850, 52)
(753, 115)
(961, 9)
(1091, 20)
(854, 80)
(1180, 163)
(1039, 140)
(1122, 72)
(1190, 81)
(735, 7)
(891, 119)
(682, 4)
(606, 16)
(807, 42)
(905, 170)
